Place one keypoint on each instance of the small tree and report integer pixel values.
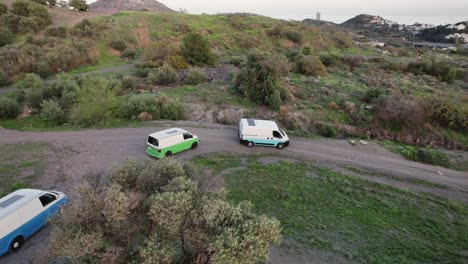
(197, 51)
(79, 5)
(52, 112)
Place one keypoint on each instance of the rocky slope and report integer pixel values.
(132, 5)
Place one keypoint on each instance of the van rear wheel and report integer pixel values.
(194, 145)
(250, 144)
(280, 146)
(169, 154)
(16, 244)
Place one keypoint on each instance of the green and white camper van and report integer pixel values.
(254, 132)
(169, 142)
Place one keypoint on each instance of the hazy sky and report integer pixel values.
(420, 10)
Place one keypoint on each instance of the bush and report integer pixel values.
(177, 62)
(259, 81)
(142, 72)
(155, 55)
(59, 32)
(97, 101)
(399, 113)
(34, 90)
(439, 69)
(353, 61)
(165, 75)
(118, 44)
(310, 65)
(425, 155)
(237, 61)
(330, 59)
(328, 131)
(3, 9)
(275, 32)
(9, 108)
(450, 113)
(196, 76)
(159, 107)
(129, 54)
(112, 212)
(197, 51)
(307, 50)
(128, 83)
(52, 112)
(4, 80)
(373, 94)
(6, 37)
(294, 36)
(79, 5)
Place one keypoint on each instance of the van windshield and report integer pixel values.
(153, 141)
(282, 132)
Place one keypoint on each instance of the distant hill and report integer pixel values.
(377, 27)
(316, 22)
(131, 5)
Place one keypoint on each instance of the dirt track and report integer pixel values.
(95, 150)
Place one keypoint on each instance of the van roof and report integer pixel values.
(167, 133)
(17, 199)
(263, 124)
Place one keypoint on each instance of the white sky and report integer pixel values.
(403, 11)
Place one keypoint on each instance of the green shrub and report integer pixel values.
(434, 67)
(451, 113)
(330, 59)
(177, 62)
(311, 66)
(237, 61)
(33, 89)
(307, 50)
(259, 81)
(52, 112)
(275, 32)
(196, 76)
(79, 5)
(393, 66)
(59, 32)
(6, 36)
(9, 108)
(129, 54)
(294, 36)
(97, 101)
(155, 55)
(425, 155)
(197, 51)
(373, 94)
(165, 75)
(160, 107)
(328, 131)
(128, 83)
(3, 9)
(353, 61)
(142, 72)
(118, 44)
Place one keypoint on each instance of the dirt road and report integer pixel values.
(95, 150)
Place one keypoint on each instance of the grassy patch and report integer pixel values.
(363, 221)
(424, 155)
(20, 165)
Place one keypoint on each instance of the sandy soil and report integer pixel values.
(95, 150)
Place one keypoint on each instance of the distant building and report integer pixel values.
(317, 17)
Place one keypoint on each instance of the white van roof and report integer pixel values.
(262, 124)
(17, 199)
(167, 133)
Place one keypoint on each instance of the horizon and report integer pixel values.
(431, 12)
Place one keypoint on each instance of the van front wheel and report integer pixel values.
(16, 244)
(194, 145)
(169, 154)
(280, 146)
(250, 144)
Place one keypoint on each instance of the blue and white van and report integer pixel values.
(23, 213)
(254, 132)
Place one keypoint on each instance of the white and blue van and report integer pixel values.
(254, 132)
(23, 213)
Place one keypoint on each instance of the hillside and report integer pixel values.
(130, 5)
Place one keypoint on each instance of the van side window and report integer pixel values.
(187, 136)
(277, 134)
(47, 199)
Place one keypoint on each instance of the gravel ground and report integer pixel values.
(95, 150)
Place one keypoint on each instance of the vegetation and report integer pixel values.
(311, 66)
(197, 51)
(195, 76)
(260, 79)
(425, 155)
(9, 108)
(165, 75)
(157, 106)
(323, 210)
(158, 212)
